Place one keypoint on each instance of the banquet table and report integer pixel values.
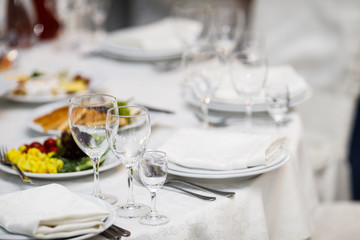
(275, 205)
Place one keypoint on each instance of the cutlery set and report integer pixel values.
(115, 232)
(174, 183)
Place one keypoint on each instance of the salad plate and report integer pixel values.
(109, 163)
(280, 159)
(107, 222)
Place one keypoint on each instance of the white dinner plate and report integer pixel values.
(259, 105)
(6, 86)
(109, 163)
(108, 221)
(282, 157)
(48, 108)
(151, 42)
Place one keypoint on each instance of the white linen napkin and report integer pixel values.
(154, 36)
(277, 74)
(217, 149)
(50, 211)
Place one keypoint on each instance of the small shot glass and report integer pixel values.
(277, 102)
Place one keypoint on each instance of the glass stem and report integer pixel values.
(96, 189)
(130, 197)
(248, 113)
(205, 112)
(153, 204)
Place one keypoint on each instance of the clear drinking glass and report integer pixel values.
(228, 23)
(248, 74)
(87, 121)
(277, 102)
(128, 133)
(153, 168)
(191, 21)
(99, 13)
(203, 72)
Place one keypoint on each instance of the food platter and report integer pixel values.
(48, 108)
(107, 222)
(109, 163)
(282, 157)
(48, 87)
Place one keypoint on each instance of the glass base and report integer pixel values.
(132, 210)
(153, 220)
(111, 199)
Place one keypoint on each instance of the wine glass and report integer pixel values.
(203, 71)
(277, 102)
(128, 133)
(248, 74)
(99, 12)
(87, 121)
(228, 22)
(191, 21)
(153, 169)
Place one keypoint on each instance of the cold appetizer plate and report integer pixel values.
(109, 162)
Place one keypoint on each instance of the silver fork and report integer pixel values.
(4, 160)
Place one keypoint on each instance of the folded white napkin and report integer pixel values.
(154, 36)
(284, 74)
(217, 149)
(50, 211)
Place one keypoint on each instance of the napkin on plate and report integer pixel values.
(50, 211)
(220, 149)
(276, 74)
(154, 36)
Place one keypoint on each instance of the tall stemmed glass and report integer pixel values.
(248, 73)
(99, 12)
(228, 23)
(203, 71)
(191, 21)
(87, 121)
(153, 168)
(128, 133)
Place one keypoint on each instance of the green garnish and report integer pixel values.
(36, 74)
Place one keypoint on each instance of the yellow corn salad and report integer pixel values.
(34, 160)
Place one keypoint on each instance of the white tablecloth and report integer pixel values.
(276, 205)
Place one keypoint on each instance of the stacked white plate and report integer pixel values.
(152, 42)
(282, 157)
(226, 99)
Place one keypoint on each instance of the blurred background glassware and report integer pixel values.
(277, 102)
(252, 42)
(153, 168)
(99, 13)
(19, 28)
(75, 18)
(87, 121)
(47, 26)
(191, 21)
(228, 22)
(129, 142)
(203, 71)
(248, 74)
